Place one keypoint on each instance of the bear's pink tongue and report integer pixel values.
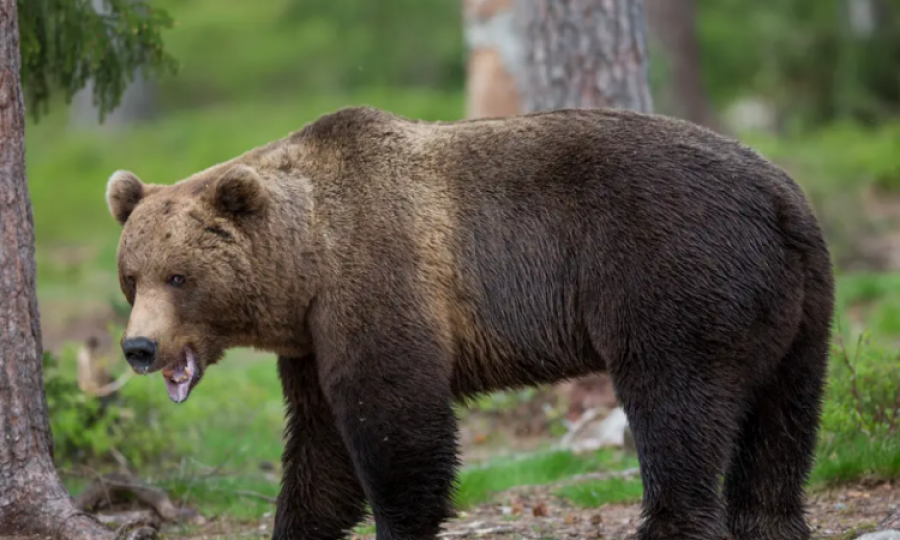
(180, 376)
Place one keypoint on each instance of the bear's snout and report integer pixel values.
(140, 353)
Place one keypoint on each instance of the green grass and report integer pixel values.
(600, 492)
(854, 458)
(477, 484)
(239, 498)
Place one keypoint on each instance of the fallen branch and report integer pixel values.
(112, 487)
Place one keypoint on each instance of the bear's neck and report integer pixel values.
(285, 261)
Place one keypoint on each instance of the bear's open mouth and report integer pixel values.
(182, 376)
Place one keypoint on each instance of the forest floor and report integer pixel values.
(533, 512)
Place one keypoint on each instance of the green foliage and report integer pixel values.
(65, 43)
(301, 50)
(802, 55)
(864, 397)
(77, 423)
(405, 43)
(88, 430)
(859, 431)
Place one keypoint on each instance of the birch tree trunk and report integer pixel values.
(583, 53)
(33, 501)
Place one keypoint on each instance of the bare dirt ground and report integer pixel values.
(534, 512)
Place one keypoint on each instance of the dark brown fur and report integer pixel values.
(396, 266)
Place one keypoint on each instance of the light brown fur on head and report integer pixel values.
(212, 230)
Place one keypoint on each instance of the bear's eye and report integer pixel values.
(176, 280)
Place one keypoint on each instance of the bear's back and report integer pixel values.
(522, 228)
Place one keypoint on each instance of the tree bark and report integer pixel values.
(586, 54)
(673, 25)
(495, 52)
(583, 53)
(33, 501)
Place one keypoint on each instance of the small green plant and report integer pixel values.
(80, 425)
(96, 431)
(864, 392)
(860, 433)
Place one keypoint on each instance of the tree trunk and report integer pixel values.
(673, 25)
(495, 53)
(32, 499)
(586, 54)
(583, 53)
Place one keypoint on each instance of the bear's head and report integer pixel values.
(186, 263)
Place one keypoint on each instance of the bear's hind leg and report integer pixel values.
(775, 450)
(684, 419)
(320, 497)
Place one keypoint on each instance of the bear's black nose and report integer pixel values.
(140, 352)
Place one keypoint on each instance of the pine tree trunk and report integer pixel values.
(673, 25)
(584, 53)
(32, 499)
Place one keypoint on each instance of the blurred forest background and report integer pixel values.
(812, 84)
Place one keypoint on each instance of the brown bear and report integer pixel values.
(396, 267)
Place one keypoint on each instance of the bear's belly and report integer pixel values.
(488, 360)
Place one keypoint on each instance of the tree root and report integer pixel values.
(57, 520)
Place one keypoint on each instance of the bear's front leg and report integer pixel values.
(320, 497)
(390, 392)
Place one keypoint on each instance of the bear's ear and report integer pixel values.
(124, 191)
(239, 192)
